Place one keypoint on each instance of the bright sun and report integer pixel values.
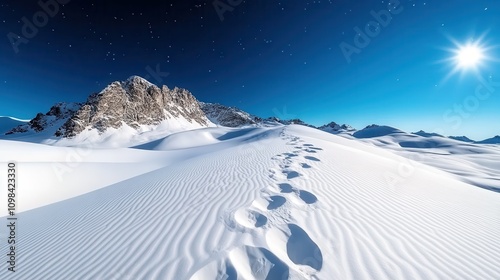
(469, 56)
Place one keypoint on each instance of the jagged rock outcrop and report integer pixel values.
(295, 121)
(57, 114)
(333, 127)
(133, 102)
(227, 116)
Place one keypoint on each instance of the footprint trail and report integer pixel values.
(289, 249)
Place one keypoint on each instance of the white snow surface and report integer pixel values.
(282, 202)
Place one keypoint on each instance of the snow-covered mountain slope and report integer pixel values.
(374, 130)
(282, 202)
(7, 123)
(127, 136)
(493, 140)
(472, 163)
(427, 134)
(45, 125)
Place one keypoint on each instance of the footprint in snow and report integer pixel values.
(275, 202)
(302, 250)
(311, 158)
(244, 261)
(259, 263)
(249, 218)
(285, 188)
(291, 174)
(307, 197)
(305, 165)
(294, 242)
(289, 155)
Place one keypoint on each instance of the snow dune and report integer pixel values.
(285, 202)
(476, 164)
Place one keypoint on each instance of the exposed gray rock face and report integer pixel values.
(234, 117)
(333, 127)
(133, 102)
(57, 114)
(295, 121)
(227, 116)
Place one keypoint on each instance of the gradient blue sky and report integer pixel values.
(268, 57)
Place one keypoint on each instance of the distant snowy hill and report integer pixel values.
(427, 134)
(471, 162)
(374, 130)
(494, 140)
(7, 123)
(462, 138)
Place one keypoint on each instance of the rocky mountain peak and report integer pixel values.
(136, 81)
(133, 102)
(334, 127)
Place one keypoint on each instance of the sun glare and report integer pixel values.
(469, 56)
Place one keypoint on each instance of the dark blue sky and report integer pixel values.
(267, 57)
